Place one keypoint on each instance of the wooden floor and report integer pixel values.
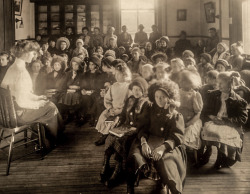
(73, 167)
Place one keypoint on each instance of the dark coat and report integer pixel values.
(58, 82)
(91, 81)
(163, 125)
(76, 81)
(134, 112)
(236, 108)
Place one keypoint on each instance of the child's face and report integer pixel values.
(81, 57)
(163, 43)
(122, 51)
(220, 49)
(175, 68)
(161, 98)
(220, 68)
(92, 66)
(69, 31)
(96, 31)
(47, 63)
(65, 58)
(200, 43)
(203, 61)
(38, 38)
(36, 67)
(105, 68)
(99, 51)
(79, 44)
(4, 60)
(234, 51)
(52, 43)
(223, 85)
(75, 66)
(142, 51)
(118, 76)
(63, 45)
(45, 47)
(149, 47)
(125, 59)
(85, 32)
(57, 66)
(161, 73)
(212, 82)
(146, 73)
(137, 92)
(158, 60)
(136, 55)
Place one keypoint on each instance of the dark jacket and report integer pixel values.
(91, 81)
(76, 81)
(161, 124)
(236, 108)
(134, 112)
(58, 82)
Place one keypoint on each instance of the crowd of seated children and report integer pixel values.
(102, 80)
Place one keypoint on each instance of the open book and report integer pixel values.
(121, 131)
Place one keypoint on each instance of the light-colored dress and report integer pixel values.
(222, 133)
(19, 81)
(191, 104)
(115, 98)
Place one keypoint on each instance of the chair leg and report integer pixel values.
(25, 138)
(40, 140)
(1, 135)
(10, 153)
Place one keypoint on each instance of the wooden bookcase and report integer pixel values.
(52, 17)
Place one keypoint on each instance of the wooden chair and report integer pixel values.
(10, 127)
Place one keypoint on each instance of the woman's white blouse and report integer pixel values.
(19, 81)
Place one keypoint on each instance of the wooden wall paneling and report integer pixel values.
(2, 25)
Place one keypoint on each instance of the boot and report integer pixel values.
(218, 162)
(130, 189)
(105, 168)
(114, 179)
(101, 140)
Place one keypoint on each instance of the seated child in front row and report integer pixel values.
(135, 109)
(114, 100)
(191, 107)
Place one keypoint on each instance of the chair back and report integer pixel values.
(8, 116)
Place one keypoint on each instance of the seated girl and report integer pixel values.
(136, 63)
(158, 151)
(148, 72)
(37, 77)
(80, 49)
(106, 79)
(224, 114)
(71, 97)
(135, 109)
(222, 65)
(177, 65)
(221, 52)
(114, 100)
(191, 107)
(32, 108)
(90, 89)
(46, 67)
(55, 81)
(161, 72)
(236, 60)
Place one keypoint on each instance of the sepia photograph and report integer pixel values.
(124, 96)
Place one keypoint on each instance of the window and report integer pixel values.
(246, 25)
(135, 12)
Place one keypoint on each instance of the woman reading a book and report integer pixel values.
(158, 152)
(121, 136)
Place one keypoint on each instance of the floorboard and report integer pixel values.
(74, 165)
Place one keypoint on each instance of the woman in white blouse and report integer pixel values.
(31, 108)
